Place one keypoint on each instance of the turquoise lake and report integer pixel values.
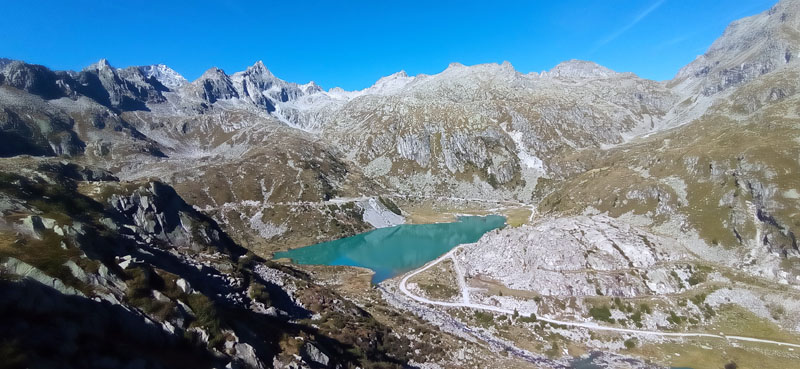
(395, 250)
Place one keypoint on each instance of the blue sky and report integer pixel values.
(353, 43)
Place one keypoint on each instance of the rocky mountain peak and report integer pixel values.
(259, 69)
(212, 86)
(455, 65)
(749, 48)
(579, 69)
(391, 83)
(164, 74)
(4, 62)
(101, 65)
(311, 88)
(213, 73)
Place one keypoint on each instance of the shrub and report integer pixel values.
(484, 318)
(674, 318)
(698, 299)
(207, 317)
(697, 278)
(602, 313)
(630, 343)
(259, 293)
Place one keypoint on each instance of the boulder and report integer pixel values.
(184, 285)
(313, 354)
(33, 226)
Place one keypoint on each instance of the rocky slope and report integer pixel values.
(727, 179)
(97, 272)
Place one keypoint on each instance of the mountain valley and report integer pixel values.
(649, 224)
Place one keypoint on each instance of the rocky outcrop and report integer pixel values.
(158, 213)
(577, 256)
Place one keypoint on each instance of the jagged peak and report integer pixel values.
(259, 68)
(164, 74)
(102, 64)
(311, 87)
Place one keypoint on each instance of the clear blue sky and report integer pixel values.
(353, 43)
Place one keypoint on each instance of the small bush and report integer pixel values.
(259, 293)
(484, 318)
(674, 318)
(698, 299)
(697, 278)
(602, 313)
(206, 316)
(630, 343)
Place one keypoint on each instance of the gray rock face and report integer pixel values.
(212, 86)
(25, 270)
(247, 355)
(157, 213)
(258, 86)
(164, 75)
(28, 126)
(378, 215)
(33, 225)
(313, 354)
(35, 79)
(126, 89)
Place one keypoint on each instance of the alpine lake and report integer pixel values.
(393, 251)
